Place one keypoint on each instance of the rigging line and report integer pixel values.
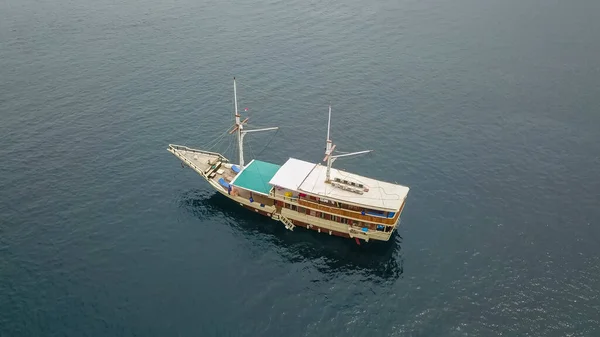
(317, 122)
(284, 137)
(233, 145)
(228, 145)
(269, 142)
(309, 120)
(267, 94)
(221, 143)
(301, 99)
(215, 139)
(251, 151)
(213, 144)
(316, 119)
(218, 139)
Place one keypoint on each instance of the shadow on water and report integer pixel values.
(330, 254)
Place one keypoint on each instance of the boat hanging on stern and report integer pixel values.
(301, 193)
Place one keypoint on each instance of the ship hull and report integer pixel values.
(317, 225)
(269, 213)
(218, 172)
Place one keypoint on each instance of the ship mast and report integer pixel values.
(329, 158)
(239, 127)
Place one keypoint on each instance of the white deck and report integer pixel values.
(210, 165)
(381, 195)
(302, 176)
(291, 175)
(197, 159)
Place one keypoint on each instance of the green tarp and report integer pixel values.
(256, 176)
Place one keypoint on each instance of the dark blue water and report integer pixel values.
(488, 110)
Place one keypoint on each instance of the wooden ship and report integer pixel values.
(300, 193)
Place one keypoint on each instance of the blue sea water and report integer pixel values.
(488, 110)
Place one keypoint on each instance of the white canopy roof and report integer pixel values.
(380, 194)
(291, 174)
(302, 176)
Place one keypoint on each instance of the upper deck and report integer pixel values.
(309, 178)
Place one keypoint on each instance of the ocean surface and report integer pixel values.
(488, 110)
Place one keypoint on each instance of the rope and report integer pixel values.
(251, 151)
(216, 141)
(269, 142)
(270, 94)
(228, 145)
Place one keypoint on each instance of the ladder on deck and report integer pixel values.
(287, 222)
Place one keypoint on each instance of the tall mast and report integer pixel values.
(329, 123)
(239, 127)
(328, 149)
(329, 157)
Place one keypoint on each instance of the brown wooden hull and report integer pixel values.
(292, 212)
(301, 224)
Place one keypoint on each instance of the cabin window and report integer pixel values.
(321, 215)
(327, 216)
(301, 209)
(293, 207)
(375, 212)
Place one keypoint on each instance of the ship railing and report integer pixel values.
(283, 197)
(188, 162)
(189, 149)
(375, 235)
(348, 213)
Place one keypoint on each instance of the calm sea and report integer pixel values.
(488, 110)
